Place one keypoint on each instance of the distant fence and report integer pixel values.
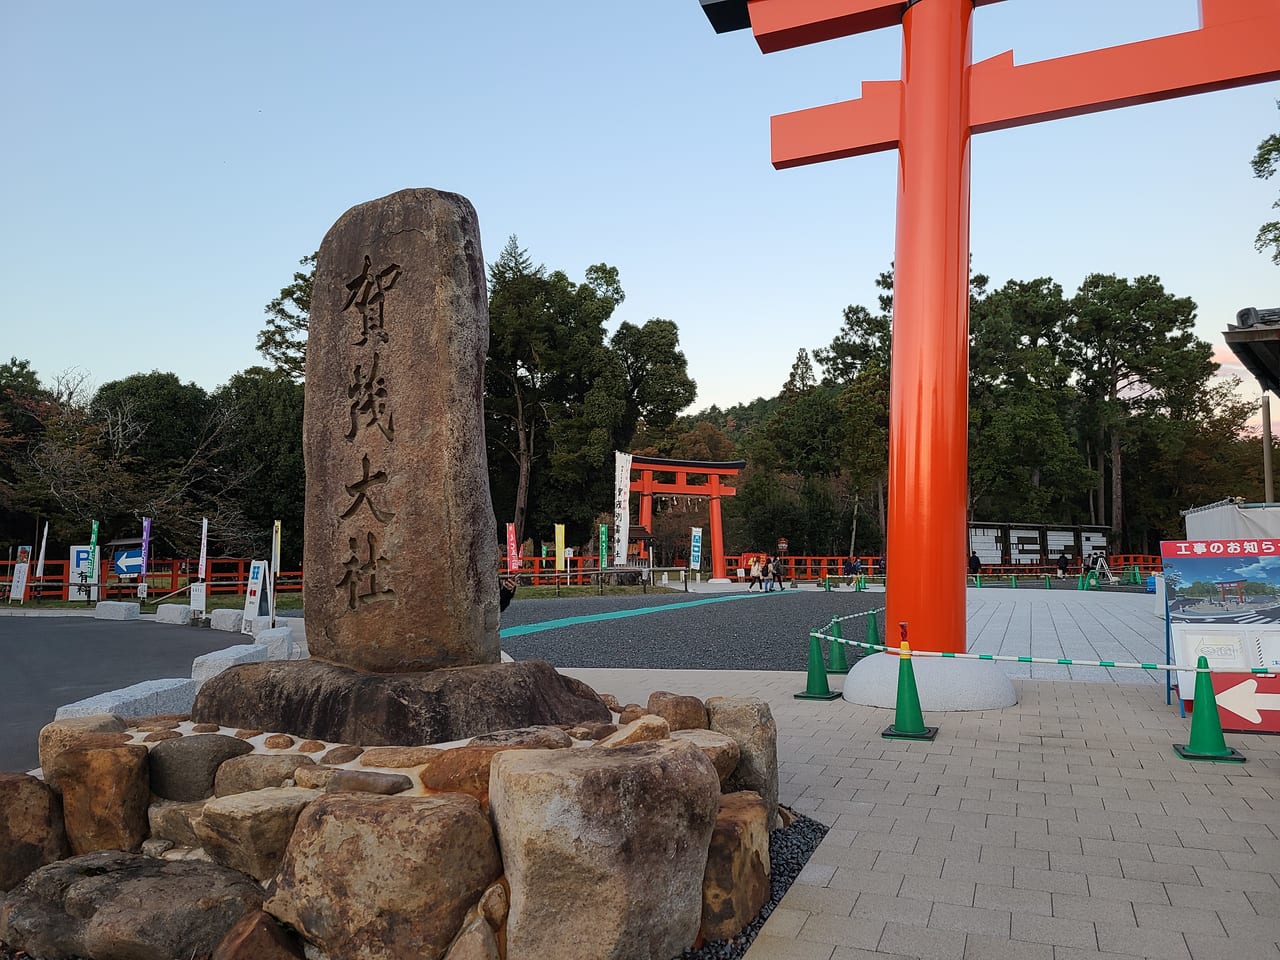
(229, 575)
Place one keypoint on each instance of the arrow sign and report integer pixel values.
(129, 562)
(1255, 700)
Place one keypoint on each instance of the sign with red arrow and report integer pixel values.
(1248, 704)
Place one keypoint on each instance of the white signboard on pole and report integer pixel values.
(18, 588)
(621, 507)
(695, 549)
(204, 547)
(198, 599)
(84, 560)
(257, 599)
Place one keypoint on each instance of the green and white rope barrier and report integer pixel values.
(1059, 661)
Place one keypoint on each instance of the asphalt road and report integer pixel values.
(47, 662)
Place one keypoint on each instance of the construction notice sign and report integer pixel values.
(1248, 703)
(1224, 605)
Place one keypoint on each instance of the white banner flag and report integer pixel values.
(204, 546)
(621, 507)
(44, 542)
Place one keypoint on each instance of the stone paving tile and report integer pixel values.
(1118, 888)
(1015, 901)
(1060, 931)
(773, 948)
(980, 947)
(950, 916)
(1184, 919)
(1205, 947)
(1049, 881)
(858, 932)
(922, 942)
(1142, 941)
(784, 923)
(1119, 912)
(938, 890)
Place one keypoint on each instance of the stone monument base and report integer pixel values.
(327, 701)
(942, 684)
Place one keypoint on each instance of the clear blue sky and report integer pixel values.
(166, 164)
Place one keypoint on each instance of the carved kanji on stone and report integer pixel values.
(360, 490)
(356, 572)
(368, 294)
(368, 395)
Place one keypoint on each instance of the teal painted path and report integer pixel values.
(528, 628)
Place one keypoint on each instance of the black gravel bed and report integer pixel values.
(768, 631)
(789, 850)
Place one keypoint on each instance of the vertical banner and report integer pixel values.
(559, 546)
(18, 588)
(146, 549)
(513, 548)
(621, 507)
(204, 547)
(93, 558)
(275, 567)
(44, 542)
(695, 548)
(604, 545)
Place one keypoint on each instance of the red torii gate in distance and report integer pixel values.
(713, 490)
(929, 116)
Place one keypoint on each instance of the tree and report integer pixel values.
(264, 448)
(658, 383)
(548, 367)
(1024, 454)
(21, 397)
(1265, 161)
(1134, 352)
(284, 339)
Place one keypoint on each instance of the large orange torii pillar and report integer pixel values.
(929, 116)
(716, 473)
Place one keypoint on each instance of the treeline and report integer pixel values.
(1096, 408)
(1101, 407)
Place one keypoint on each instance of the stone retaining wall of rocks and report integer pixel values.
(632, 839)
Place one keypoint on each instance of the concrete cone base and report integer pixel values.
(943, 684)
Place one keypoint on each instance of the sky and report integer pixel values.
(167, 164)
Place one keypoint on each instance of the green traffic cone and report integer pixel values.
(816, 688)
(908, 720)
(978, 577)
(839, 663)
(1207, 742)
(1048, 584)
(1013, 581)
(873, 631)
(826, 582)
(1080, 582)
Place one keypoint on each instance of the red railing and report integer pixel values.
(229, 575)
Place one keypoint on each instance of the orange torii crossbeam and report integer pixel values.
(929, 116)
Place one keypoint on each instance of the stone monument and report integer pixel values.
(400, 549)
(401, 587)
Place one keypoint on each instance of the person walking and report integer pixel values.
(755, 575)
(777, 572)
(767, 572)
(975, 565)
(1063, 563)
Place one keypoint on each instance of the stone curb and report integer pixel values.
(213, 663)
(149, 698)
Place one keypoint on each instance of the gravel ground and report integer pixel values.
(753, 631)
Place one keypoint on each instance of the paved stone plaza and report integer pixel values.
(1062, 828)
